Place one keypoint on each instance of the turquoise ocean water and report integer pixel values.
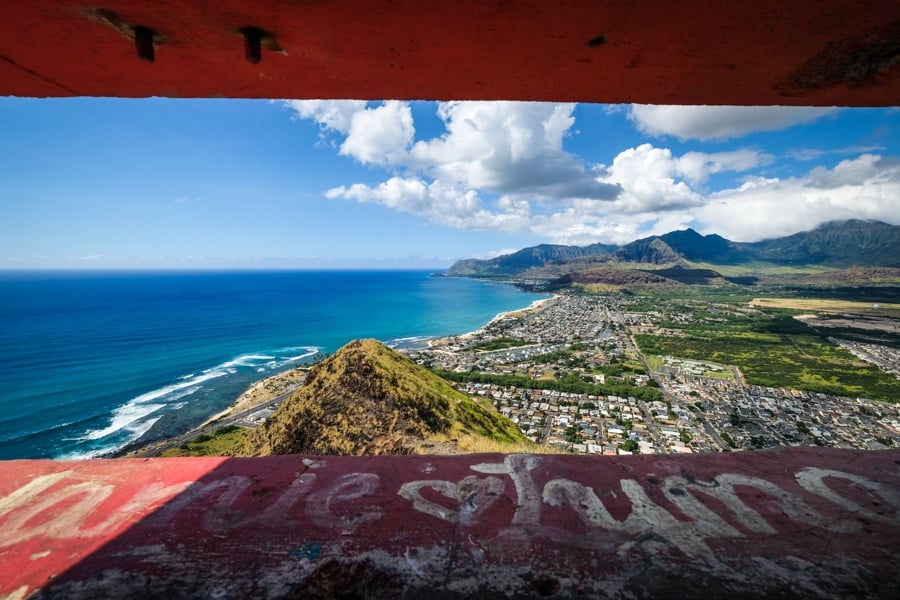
(90, 362)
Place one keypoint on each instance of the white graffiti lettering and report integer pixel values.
(519, 467)
(349, 487)
(651, 521)
(472, 495)
(812, 479)
(683, 512)
(216, 518)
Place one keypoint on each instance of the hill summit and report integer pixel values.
(367, 399)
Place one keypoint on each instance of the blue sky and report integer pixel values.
(166, 183)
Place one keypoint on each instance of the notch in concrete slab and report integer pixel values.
(143, 43)
(146, 40)
(255, 39)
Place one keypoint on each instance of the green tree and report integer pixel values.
(574, 435)
(629, 446)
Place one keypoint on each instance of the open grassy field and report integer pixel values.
(773, 349)
(756, 268)
(829, 306)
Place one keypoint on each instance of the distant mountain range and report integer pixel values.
(835, 245)
(527, 258)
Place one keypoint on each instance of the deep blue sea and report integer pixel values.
(90, 362)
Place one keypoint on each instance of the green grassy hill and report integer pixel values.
(367, 399)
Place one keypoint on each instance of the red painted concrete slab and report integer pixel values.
(655, 51)
(790, 523)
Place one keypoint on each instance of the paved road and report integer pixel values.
(648, 418)
(235, 419)
(651, 424)
(711, 431)
(545, 434)
(739, 376)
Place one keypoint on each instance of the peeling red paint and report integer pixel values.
(687, 52)
(824, 522)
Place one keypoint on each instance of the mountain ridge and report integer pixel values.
(521, 260)
(835, 244)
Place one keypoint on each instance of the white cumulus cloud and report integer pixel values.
(508, 148)
(380, 135)
(719, 122)
(654, 180)
(867, 187)
(495, 253)
(331, 115)
(373, 135)
(498, 165)
(503, 166)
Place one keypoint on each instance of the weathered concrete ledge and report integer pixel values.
(801, 522)
(775, 52)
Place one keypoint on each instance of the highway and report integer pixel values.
(235, 419)
(651, 424)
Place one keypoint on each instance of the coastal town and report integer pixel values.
(573, 374)
(529, 363)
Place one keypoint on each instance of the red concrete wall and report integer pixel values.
(799, 522)
(653, 51)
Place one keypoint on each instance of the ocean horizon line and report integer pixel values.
(201, 270)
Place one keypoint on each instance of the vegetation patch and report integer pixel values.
(498, 344)
(775, 350)
(757, 267)
(566, 382)
(218, 443)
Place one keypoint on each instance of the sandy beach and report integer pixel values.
(535, 306)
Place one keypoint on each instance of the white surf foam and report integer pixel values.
(124, 417)
(247, 360)
(408, 341)
(310, 351)
(79, 455)
(136, 416)
(132, 415)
